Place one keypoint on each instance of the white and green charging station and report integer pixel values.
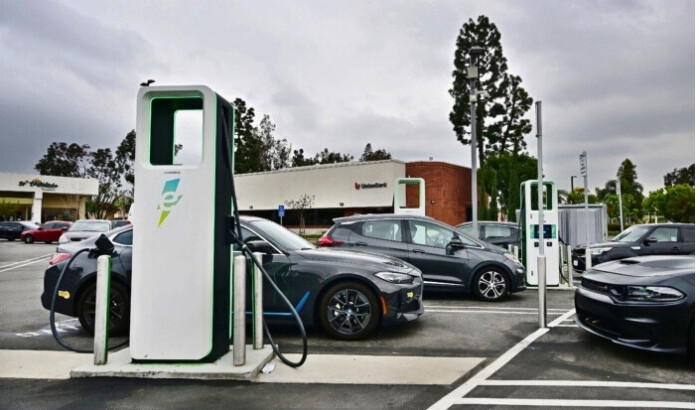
(181, 271)
(529, 231)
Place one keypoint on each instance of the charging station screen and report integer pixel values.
(549, 231)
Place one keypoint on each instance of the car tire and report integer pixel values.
(28, 239)
(11, 239)
(119, 309)
(349, 311)
(490, 284)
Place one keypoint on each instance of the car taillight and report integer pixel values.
(327, 240)
(59, 257)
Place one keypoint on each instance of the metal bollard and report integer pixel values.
(570, 265)
(239, 272)
(257, 304)
(102, 295)
(589, 260)
(516, 251)
(542, 289)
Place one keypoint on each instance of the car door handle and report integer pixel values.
(361, 243)
(418, 250)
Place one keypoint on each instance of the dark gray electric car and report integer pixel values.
(449, 260)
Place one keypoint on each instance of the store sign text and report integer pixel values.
(38, 183)
(369, 186)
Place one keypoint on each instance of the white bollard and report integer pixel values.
(102, 295)
(258, 304)
(239, 272)
(570, 265)
(542, 289)
(516, 251)
(589, 259)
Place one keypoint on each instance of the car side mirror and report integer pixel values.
(650, 240)
(41, 228)
(259, 246)
(455, 243)
(64, 228)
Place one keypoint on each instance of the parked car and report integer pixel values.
(347, 293)
(118, 223)
(12, 230)
(85, 228)
(47, 232)
(498, 233)
(449, 260)
(645, 302)
(639, 240)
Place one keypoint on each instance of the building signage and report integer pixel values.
(36, 182)
(359, 186)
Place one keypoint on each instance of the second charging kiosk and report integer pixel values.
(529, 231)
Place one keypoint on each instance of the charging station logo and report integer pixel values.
(168, 199)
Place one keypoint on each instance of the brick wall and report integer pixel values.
(447, 190)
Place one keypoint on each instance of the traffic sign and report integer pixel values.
(280, 211)
(584, 164)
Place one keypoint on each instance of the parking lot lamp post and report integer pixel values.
(473, 76)
(572, 183)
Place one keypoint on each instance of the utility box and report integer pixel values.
(529, 231)
(572, 223)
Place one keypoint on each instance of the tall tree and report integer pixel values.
(681, 176)
(502, 175)
(274, 153)
(247, 144)
(370, 155)
(492, 72)
(64, 160)
(104, 168)
(508, 134)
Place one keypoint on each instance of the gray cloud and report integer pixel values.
(616, 78)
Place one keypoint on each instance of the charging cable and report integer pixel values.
(52, 319)
(237, 235)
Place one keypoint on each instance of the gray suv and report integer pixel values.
(449, 260)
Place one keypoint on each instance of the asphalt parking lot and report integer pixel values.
(518, 365)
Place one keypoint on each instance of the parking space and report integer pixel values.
(493, 354)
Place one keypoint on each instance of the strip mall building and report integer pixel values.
(41, 198)
(350, 188)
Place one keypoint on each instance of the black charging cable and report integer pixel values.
(52, 314)
(237, 235)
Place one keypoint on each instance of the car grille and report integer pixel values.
(595, 286)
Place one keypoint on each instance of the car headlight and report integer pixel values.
(647, 293)
(511, 257)
(599, 251)
(394, 277)
(63, 239)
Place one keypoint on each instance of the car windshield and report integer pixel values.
(631, 234)
(90, 226)
(286, 239)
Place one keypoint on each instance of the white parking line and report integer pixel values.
(26, 260)
(427, 305)
(588, 383)
(26, 264)
(461, 391)
(577, 403)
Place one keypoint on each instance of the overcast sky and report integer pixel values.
(616, 78)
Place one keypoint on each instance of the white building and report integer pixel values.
(41, 198)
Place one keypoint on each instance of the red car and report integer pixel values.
(48, 232)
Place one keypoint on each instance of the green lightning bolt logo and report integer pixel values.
(168, 199)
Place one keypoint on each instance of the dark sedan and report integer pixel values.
(450, 261)
(348, 294)
(639, 240)
(644, 302)
(12, 230)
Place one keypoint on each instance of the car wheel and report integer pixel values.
(490, 284)
(119, 309)
(28, 239)
(11, 239)
(349, 311)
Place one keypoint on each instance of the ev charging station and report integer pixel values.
(529, 228)
(181, 266)
(400, 192)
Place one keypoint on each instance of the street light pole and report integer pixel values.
(473, 76)
(572, 183)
